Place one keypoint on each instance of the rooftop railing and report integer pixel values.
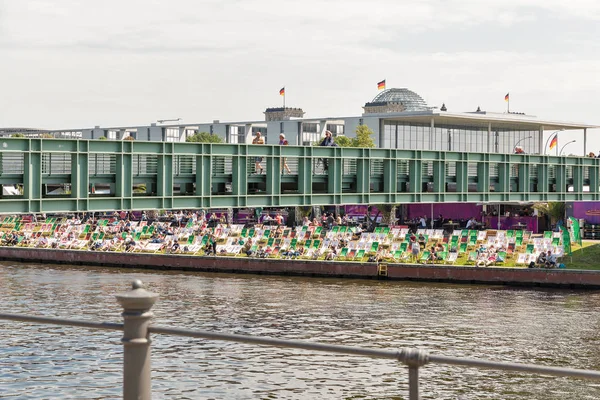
(137, 347)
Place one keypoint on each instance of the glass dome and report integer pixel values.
(408, 98)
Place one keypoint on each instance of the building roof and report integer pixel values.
(409, 99)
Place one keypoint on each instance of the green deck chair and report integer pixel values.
(529, 249)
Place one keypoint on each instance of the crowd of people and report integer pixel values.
(330, 237)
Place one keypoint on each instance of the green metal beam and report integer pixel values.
(222, 178)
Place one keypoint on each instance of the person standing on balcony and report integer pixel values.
(283, 142)
(258, 139)
(327, 142)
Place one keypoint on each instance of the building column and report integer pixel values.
(489, 144)
(585, 142)
(249, 134)
(541, 141)
(431, 133)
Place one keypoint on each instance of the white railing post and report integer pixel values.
(414, 359)
(136, 303)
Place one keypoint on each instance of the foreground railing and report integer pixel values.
(136, 345)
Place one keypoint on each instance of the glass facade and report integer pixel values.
(415, 136)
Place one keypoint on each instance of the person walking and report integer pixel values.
(327, 142)
(283, 142)
(258, 139)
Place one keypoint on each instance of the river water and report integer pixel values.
(549, 327)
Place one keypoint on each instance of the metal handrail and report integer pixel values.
(136, 329)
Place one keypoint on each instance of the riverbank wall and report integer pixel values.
(432, 273)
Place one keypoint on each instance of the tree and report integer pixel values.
(17, 135)
(102, 138)
(204, 137)
(343, 141)
(553, 209)
(363, 137)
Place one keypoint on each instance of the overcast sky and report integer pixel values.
(71, 64)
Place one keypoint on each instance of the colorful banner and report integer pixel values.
(566, 240)
(576, 230)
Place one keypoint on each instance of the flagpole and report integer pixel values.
(284, 97)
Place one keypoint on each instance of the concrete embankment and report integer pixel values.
(439, 273)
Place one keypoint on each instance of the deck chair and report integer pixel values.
(529, 249)
(472, 258)
(462, 248)
(360, 254)
(374, 247)
(424, 256)
(352, 253)
(451, 259)
(441, 256)
(403, 246)
(522, 258)
(344, 252)
(500, 257)
(548, 235)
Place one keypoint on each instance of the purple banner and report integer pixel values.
(588, 210)
(507, 223)
(454, 211)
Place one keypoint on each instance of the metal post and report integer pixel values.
(414, 359)
(413, 383)
(136, 341)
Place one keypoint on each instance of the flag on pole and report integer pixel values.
(282, 91)
(566, 237)
(507, 97)
(554, 142)
(576, 230)
(381, 85)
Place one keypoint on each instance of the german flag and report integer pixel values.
(282, 91)
(554, 142)
(381, 85)
(506, 97)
